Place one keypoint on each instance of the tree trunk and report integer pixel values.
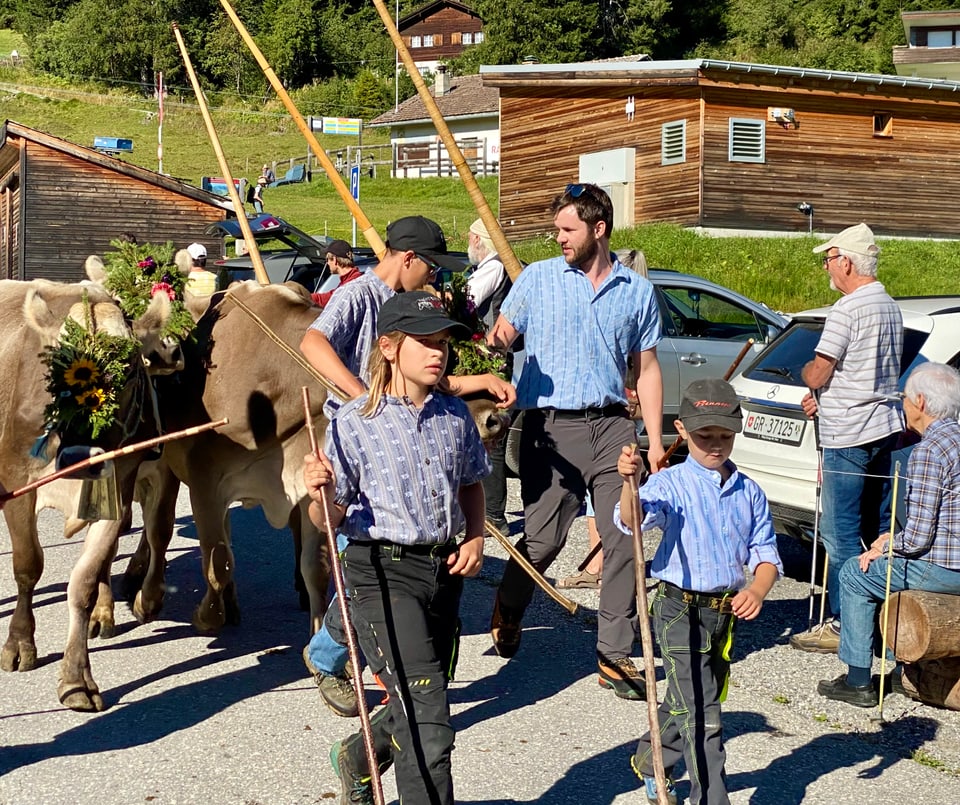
(935, 682)
(924, 626)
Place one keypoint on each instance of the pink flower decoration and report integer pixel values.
(147, 263)
(164, 287)
(477, 337)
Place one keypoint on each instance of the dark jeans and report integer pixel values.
(495, 484)
(695, 644)
(411, 604)
(560, 458)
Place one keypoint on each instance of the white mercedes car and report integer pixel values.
(778, 445)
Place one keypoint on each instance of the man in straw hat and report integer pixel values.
(853, 385)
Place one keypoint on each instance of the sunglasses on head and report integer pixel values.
(577, 190)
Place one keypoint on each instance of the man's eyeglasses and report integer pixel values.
(827, 258)
(432, 267)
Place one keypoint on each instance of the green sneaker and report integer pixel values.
(354, 787)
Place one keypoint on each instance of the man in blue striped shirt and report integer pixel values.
(926, 554)
(582, 316)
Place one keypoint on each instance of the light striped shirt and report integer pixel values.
(349, 321)
(864, 334)
(709, 531)
(399, 471)
(932, 532)
(577, 340)
(201, 282)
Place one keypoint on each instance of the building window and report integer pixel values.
(428, 41)
(416, 42)
(673, 142)
(467, 38)
(478, 37)
(747, 140)
(882, 124)
(940, 39)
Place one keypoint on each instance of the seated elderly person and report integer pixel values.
(926, 554)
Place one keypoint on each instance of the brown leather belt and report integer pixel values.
(721, 602)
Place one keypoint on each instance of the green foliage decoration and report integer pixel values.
(136, 272)
(86, 374)
(474, 357)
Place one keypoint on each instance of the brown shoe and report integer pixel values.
(622, 677)
(584, 580)
(818, 640)
(505, 631)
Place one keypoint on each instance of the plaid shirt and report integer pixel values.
(932, 532)
(400, 470)
(577, 340)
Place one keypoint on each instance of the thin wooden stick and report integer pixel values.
(886, 594)
(363, 223)
(504, 251)
(110, 455)
(646, 639)
(258, 268)
(343, 603)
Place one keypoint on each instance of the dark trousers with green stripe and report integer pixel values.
(411, 603)
(695, 645)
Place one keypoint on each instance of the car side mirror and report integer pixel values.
(771, 331)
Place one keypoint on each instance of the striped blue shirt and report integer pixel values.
(709, 531)
(349, 321)
(399, 471)
(577, 340)
(932, 532)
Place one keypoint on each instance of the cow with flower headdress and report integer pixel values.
(75, 372)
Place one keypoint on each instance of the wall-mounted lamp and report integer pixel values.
(785, 117)
(807, 209)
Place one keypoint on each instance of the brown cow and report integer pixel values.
(31, 315)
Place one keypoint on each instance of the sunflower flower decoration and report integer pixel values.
(86, 373)
(474, 357)
(135, 272)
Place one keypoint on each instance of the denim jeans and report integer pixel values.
(862, 593)
(855, 499)
(328, 647)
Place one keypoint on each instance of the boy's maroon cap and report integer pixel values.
(710, 402)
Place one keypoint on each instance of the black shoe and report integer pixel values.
(499, 523)
(354, 787)
(505, 630)
(857, 695)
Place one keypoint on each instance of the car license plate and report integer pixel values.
(773, 428)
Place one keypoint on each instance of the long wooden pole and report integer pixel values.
(108, 456)
(258, 268)
(504, 251)
(344, 603)
(646, 640)
(376, 243)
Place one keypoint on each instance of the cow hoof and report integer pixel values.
(142, 613)
(207, 620)
(18, 656)
(80, 699)
(101, 628)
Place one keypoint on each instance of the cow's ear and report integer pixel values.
(196, 305)
(41, 318)
(183, 261)
(95, 269)
(155, 317)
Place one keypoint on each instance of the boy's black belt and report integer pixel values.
(721, 602)
(612, 410)
(397, 551)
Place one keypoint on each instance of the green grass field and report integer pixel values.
(782, 272)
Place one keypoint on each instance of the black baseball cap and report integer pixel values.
(417, 313)
(423, 236)
(339, 248)
(710, 402)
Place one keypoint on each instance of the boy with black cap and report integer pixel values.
(339, 344)
(714, 521)
(403, 465)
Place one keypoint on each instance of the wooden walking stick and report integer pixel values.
(66, 472)
(646, 638)
(504, 251)
(672, 449)
(343, 603)
(885, 625)
(258, 268)
(363, 223)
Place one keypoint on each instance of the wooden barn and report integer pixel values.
(717, 144)
(440, 31)
(60, 203)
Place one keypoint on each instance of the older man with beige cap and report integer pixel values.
(488, 282)
(853, 390)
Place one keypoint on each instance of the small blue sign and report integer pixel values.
(355, 182)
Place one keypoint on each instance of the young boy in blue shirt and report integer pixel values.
(714, 521)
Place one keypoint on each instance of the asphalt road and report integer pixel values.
(235, 719)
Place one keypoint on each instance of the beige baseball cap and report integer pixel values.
(857, 239)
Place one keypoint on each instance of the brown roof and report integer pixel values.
(432, 8)
(467, 97)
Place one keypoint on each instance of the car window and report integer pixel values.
(784, 359)
(695, 313)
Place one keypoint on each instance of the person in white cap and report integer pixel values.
(853, 391)
(488, 282)
(200, 282)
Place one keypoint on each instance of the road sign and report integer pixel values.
(355, 182)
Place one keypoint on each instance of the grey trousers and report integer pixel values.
(560, 458)
(695, 645)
